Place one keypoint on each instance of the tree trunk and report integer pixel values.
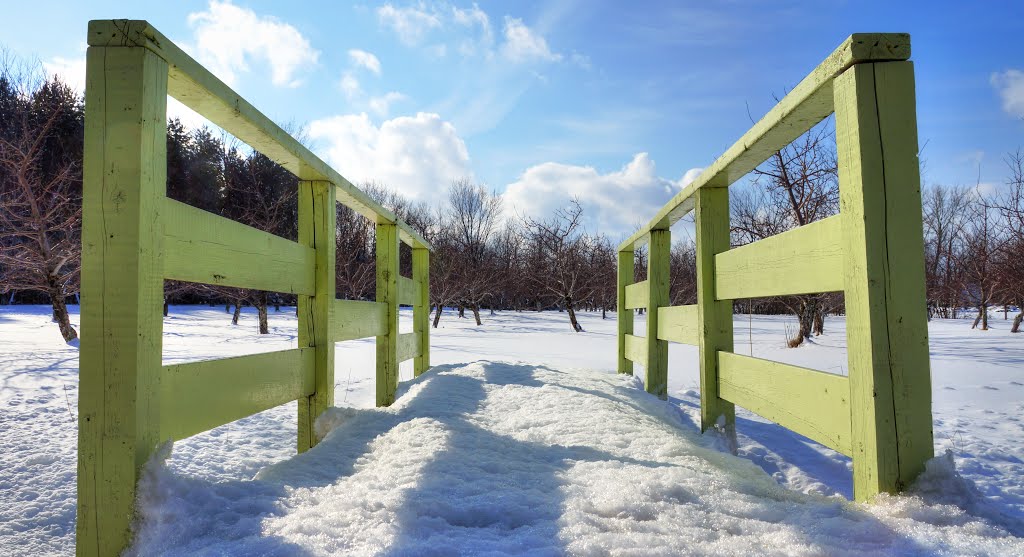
(572, 317)
(476, 314)
(60, 315)
(462, 311)
(437, 315)
(261, 308)
(166, 308)
(604, 312)
(1016, 320)
(984, 317)
(238, 313)
(1006, 311)
(819, 322)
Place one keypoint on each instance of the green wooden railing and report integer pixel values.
(134, 237)
(872, 251)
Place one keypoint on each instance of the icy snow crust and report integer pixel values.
(510, 458)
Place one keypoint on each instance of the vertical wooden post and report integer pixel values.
(656, 369)
(624, 317)
(714, 315)
(124, 182)
(421, 309)
(317, 230)
(387, 293)
(886, 328)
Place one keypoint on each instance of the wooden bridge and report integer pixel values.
(134, 237)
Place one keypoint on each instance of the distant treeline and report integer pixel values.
(483, 258)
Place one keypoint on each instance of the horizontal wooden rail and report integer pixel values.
(200, 90)
(206, 248)
(408, 346)
(812, 403)
(408, 291)
(636, 349)
(804, 260)
(810, 102)
(358, 319)
(679, 324)
(638, 295)
(198, 396)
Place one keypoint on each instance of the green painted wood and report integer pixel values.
(638, 295)
(656, 367)
(887, 342)
(355, 319)
(636, 349)
(812, 403)
(408, 346)
(805, 260)
(408, 291)
(808, 103)
(713, 315)
(124, 177)
(198, 89)
(624, 316)
(387, 293)
(317, 213)
(199, 396)
(206, 248)
(679, 324)
(421, 310)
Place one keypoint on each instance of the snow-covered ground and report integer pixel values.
(523, 440)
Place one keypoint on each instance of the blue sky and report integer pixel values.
(614, 102)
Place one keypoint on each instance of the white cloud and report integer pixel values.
(228, 38)
(363, 59)
(350, 86)
(1010, 86)
(382, 104)
(523, 45)
(417, 156)
(613, 203)
(411, 23)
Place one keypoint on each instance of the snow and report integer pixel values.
(521, 441)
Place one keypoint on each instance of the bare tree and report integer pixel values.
(473, 217)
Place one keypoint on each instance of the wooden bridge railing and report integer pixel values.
(134, 237)
(872, 251)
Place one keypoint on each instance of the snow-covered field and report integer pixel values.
(523, 440)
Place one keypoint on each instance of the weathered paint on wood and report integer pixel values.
(679, 324)
(199, 396)
(209, 249)
(624, 315)
(355, 319)
(887, 342)
(124, 181)
(714, 315)
(810, 102)
(637, 295)
(656, 367)
(636, 349)
(408, 346)
(317, 230)
(805, 260)
(387, 293)
(812, 403)
(421, 310)
(198, 89)
(408, 291)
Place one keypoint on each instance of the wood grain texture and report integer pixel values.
(805, 260)
(887, 342)
(408, 346)
(209, 249)
(387, 293)
(638, 295)
(408, 291)
(812, 403)
(679, 324)
(200, 396)
(805, 105)
(658, 261)
(421, 310)
(354, 319)
(624, 315)
(713, 315)
(636, 349)
(124, 181)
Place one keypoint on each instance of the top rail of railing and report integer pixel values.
(810, 102)
(197, 88)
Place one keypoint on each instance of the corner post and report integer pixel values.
(387, 293)
(124, 184)
(656, 369)
(714, 315)
(317, 216)
(624, 316)
(421, 309)
(886, 326)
